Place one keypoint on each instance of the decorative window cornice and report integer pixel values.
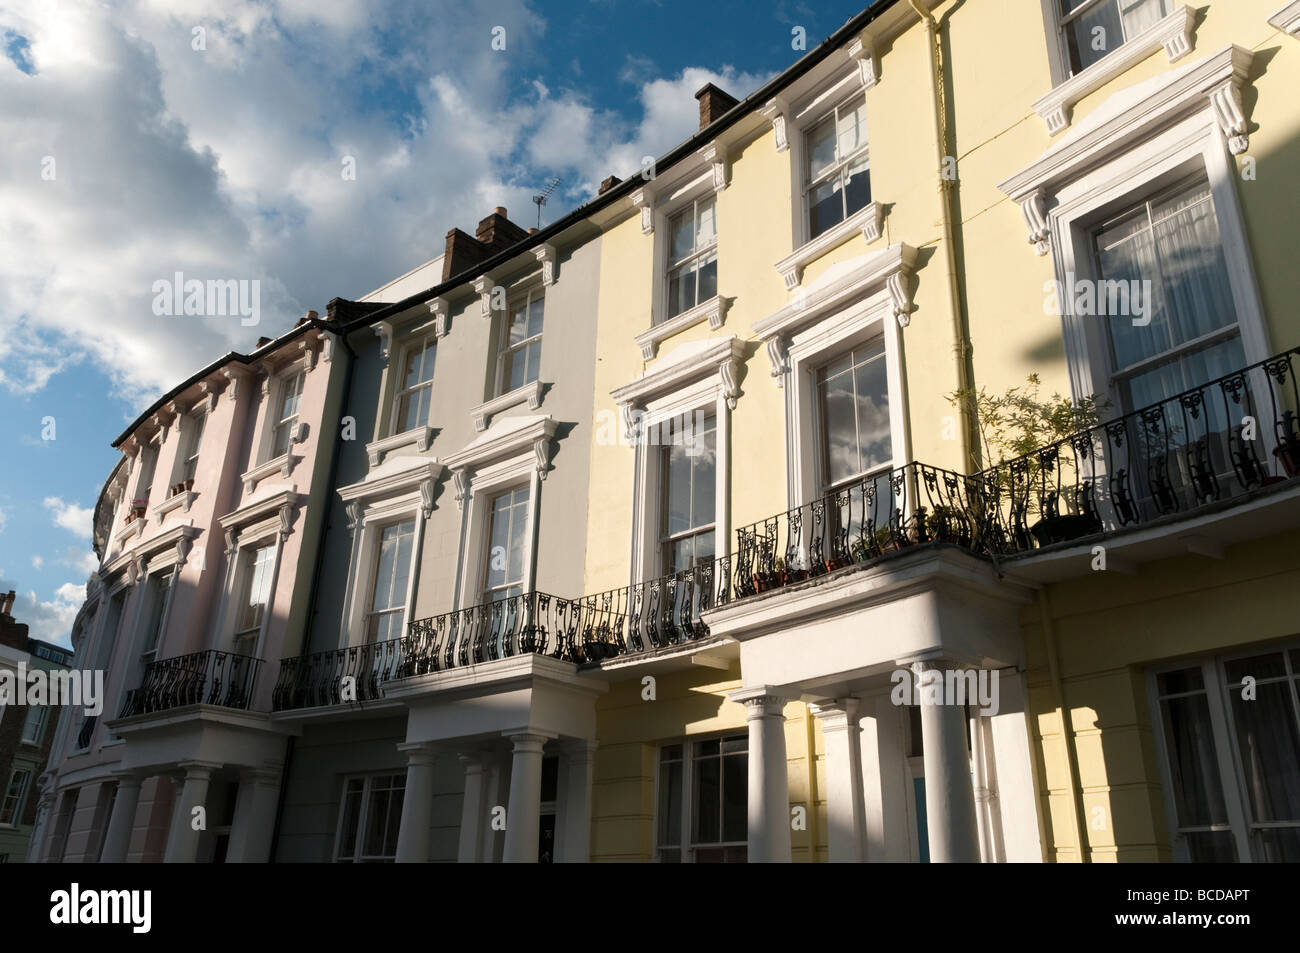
(1176, 34)
(510, 437)
(530, 394)
(183, 501)
(868, 221)
(397, 476)
(1213, 85)
(281, 506)
(1287, 19)
(714, 311)
(420, 439)
(889, 270)
(684, 365)
(283, 465)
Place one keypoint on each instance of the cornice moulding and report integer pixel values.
(1287, 19)
(420, 438)
(1176, 34)
(868, 221)
(714, 311)
(530, 394)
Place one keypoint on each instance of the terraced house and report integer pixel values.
(634, 521)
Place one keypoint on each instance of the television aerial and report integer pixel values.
(540, 200)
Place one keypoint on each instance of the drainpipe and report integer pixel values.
(970, 444)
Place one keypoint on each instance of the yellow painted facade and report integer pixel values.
(1107, 627)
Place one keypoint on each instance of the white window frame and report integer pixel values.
(41, 713)
(363, 816)
(512, 452)
(274, 421)
(666, 538)
(528, 290)
(685, 846)
(1231, 772)
(824, 112)
(249, 556)
(417, 343)
(485, 591)
(145, 653)
(16, 818)
(1180, 126)
(696, 377)
(371, 612)
(821, 479)
(268, 522)
(192, 429)
(384, 498)
(691, 205)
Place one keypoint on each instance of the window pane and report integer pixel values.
(681, 289)
(393, 570)
(681, 235)
(840, 434)
(735, 806)
(872, 387)
(535, 315)
(703, 456)
(670, 804)
(851, 127)
(1099, 27)
(857, 186)
(821, 148)
(1198, 791)
(1183, 680)
(351, 817)
(1281, 846)
(708, 800)
(534, 364)
(707, 278)
(825, 207)
(708, 224)
(1269, 746)
(1211, 847)
(1271, 665)
(678, 499)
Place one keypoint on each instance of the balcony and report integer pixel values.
(1232, 439)
(222, 679)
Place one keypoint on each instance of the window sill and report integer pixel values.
(420, 438)
(714, 311)
(184, 499)
(282, 465)
(530, 394)
(866, 220)
(133, 528)
(1175, 34)
(1287, 19)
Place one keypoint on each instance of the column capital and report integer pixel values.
(418, 752)
(199, 770)
(836, 713)
(527, 741)
(261, 775)
(128, 778)
(759, 702)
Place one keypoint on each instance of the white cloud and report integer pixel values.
(4, 518)
(38, 562)
(50, 621)
(70, 516)
(225, 162)
(81, 559)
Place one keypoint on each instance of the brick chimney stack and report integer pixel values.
(494, 234)
(713, 103)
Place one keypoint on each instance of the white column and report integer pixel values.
(845, 811)
(574, 833)
(472, 811)
(254, 822)
(417, 804)
(524, 808)
(949, 794)
(183, 840)
(887, 786)
(117, 835)
(769, 784)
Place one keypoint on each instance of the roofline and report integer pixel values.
(228, 358)
(710, 132)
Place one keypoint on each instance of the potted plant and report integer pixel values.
(797, 568)
(1288, 447)
(1013, 426)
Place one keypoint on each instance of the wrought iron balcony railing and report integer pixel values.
(1219, 441)
(203, 678)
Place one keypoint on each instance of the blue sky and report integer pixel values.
(150, 136)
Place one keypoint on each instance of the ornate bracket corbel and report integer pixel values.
(232, 541)
(778, 352)
(1034, 208)
(542, 454)
(384, 331)
(460, 487)
(729, 372)
(1226, 100)
(426, 498)
(643, 198)
(632, 418)
(483, 285)
(286, 514)
(353, 510)
(900, 296)
(547, 256)
(776, 112)
(863, 52)
(441, 311)
(716, 156)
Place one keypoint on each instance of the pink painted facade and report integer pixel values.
(202, 529)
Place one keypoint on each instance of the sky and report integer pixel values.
(210, 137)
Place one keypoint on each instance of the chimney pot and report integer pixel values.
(501, 210)
(608, 184)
